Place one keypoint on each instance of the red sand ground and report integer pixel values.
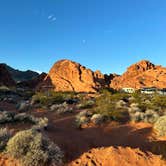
(8, 161)
(75, 142)
(118, 157)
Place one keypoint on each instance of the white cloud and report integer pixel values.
(52, 18)
(83, 41)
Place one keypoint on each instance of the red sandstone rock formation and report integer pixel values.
(66, 75)
(141, 74)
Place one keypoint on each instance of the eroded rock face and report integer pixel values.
(66, 75)
(5, 77)
(141, 74)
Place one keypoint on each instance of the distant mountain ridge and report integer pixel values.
(19, 76)
(5, 77)
(67, 75)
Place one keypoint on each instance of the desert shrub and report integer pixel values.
(4, 137)
(23, 117)
(61, 108)
(150, 116)
(51, 97)
(23, 106)
(41, 123)
(86, 104)
(106, 104)
(159, 101)
(153, 101)
(160, 126)
(32, 149)
(121, 104)
(134, 108)
(9, 117)
(137, 116)
(143, 101)
(83, 118)
(6, 117)
(97, 118)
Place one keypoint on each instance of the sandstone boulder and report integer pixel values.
(66, 75)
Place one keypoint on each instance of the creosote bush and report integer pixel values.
(33, 149)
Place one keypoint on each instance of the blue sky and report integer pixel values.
(108, 35)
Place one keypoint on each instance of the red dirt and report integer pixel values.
(75, 142)
(8, 161)
(118, 157)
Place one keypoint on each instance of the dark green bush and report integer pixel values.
(106, 105)
(51, 97)
(159, 101)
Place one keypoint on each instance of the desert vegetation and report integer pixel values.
(32, 146)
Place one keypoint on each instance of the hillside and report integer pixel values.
(19, 76)
(5, 77)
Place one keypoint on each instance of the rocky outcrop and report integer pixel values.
(5, 77)
(141, 74)
(118, 157)
(66, 75)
